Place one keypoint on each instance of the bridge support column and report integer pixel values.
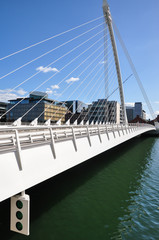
(108, 20)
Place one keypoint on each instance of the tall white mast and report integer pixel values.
(108, 20)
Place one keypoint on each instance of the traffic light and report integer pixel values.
(20, 214)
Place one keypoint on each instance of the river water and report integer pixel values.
(113, 196)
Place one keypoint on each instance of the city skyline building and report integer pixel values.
(46, 108)
(104, 111)
(3, 109)
(75, 106)
(134, 111)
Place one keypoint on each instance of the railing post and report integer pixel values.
(56, 135)
(30, 138)
(118, 130)
(74, 139)
(126, 129)
(135, 127)
(107, 132)
(18, 152)
(13, 140)
(99, 134)
(122, 129)
(44, 136)
(88, 136)
(52, 143)
(131, 128)
(113, 131)
(65, 133)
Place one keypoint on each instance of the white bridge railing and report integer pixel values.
(12, 138)
(26, 148)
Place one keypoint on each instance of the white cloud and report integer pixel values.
(55, 87)
(49, 91)
(102, 62)
(156, 102)
(21, 92)
(56, 94)
(144, 104)
(7, 94)
(129, 104)
(46, 69)
(72, 79)
(148, 116)
(157, 112)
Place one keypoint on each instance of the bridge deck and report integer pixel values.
(30, 155)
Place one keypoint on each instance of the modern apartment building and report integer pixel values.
(138, 111)
(75, 106)
(134, 111)
(39, 105)
(104, 111)
(3, 108)
(130, 113)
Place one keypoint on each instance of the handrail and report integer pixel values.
(32, 134)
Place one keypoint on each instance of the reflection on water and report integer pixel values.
(113, 196)
(141, 218)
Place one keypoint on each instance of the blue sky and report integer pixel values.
(26, 22)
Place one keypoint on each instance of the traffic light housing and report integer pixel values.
(20, 214)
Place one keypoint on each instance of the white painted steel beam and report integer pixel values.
(63, 147)
(108, 20)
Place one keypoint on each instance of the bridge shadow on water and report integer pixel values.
(49, 193)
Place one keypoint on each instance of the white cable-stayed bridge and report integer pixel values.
(39, 142)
